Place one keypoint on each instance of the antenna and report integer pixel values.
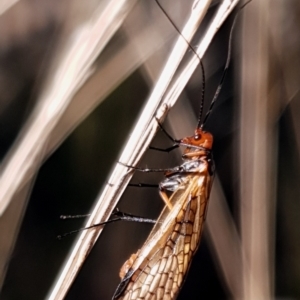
(201, 63)
(226, 66)
(220, 85)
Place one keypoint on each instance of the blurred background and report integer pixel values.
(255, 124)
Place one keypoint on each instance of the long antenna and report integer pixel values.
(201, 63)
(220, 85)
(226, 66)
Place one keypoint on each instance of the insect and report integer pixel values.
(158, 269)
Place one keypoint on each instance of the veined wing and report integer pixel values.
(158, 269)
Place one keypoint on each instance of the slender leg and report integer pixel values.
(169, 149)
(141, 184)
(117, 216)
(165, 198)
(167, 134)
(146, 170)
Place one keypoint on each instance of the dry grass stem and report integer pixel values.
(21, 164)
(6, 5)
(76, 66)
(258, 160)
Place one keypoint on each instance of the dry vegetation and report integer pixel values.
(251, 248)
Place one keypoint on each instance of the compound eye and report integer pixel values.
(197, 137)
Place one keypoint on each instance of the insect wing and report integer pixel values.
(162, 263)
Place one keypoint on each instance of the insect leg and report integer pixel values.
(118, 216)
(165, 198)
(141, 184)
(162, 192)
(146, 170)
(175, 145)
(169, 149)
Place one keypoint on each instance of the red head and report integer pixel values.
(200, 138)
